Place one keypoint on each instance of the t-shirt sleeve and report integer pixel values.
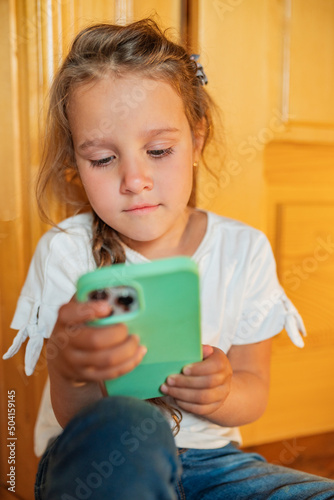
(266, 310)
(60, 258)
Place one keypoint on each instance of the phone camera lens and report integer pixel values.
(125, 300)
(98, 295)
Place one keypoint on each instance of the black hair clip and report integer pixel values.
(200, 71)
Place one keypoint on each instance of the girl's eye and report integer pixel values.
(160, 153)
(103, 162)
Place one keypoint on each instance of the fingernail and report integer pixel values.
(143, 350)
(171, 380)
(187, 370)
(103, 308)
(164, 388)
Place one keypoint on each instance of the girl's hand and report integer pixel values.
(204, 386)
(82, 353)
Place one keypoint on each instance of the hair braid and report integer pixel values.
(106, 246)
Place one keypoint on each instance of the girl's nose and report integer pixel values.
(135, 177)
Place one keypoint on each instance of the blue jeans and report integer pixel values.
(122, 448)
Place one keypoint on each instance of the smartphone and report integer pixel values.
(159, 301)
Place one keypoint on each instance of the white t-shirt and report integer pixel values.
(242, 302)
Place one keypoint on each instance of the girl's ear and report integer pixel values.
(199, 138)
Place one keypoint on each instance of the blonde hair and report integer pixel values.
(140, 48)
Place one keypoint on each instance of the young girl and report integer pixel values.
(129, 120)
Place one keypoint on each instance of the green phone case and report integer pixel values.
(167, 319)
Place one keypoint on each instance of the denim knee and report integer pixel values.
(127, 420)
(117, 446)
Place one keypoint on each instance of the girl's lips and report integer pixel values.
(141, 209)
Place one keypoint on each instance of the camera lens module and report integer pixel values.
(98, 295)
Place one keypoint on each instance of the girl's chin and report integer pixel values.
(140, 239)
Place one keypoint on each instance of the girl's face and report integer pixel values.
(135, 152)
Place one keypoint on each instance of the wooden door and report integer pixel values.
(270, 67)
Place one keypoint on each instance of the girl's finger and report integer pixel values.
(80, 312)
(98, 338)
(207, 350)
(101, 374)
(197, 396)
(198, 409)
(213, 363)
(106, 358)
(203, 382)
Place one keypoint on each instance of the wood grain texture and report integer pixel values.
(312, 454)
(311, 62)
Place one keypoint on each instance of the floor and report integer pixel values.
(312, 454)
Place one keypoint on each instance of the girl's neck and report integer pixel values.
(183, 241)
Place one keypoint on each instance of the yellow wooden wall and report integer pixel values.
(270, 67)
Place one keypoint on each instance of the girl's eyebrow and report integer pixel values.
(91, 144)
(158, 131)
(146, 133)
